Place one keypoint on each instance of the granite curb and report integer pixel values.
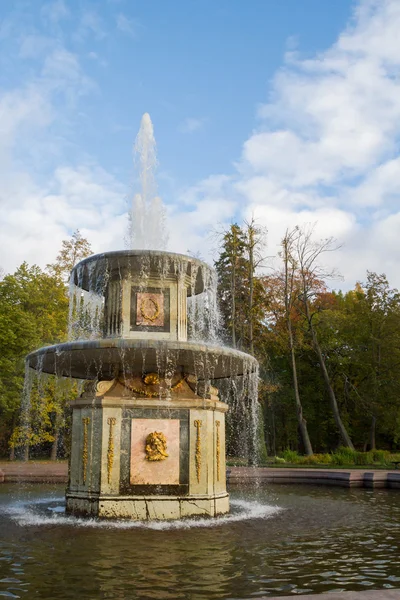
(367, 595)
(347, 478)
(39, 472)
(33, 472)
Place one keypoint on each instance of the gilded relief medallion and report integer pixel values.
(156, 446)
(150, 309)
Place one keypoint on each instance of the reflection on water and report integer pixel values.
(321, 540)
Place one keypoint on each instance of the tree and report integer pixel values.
(307, 254)
(291, 294)
(33, 313)
(241, 296)
(232, 270)
(254, 243)
(72, 251)
(368, 358)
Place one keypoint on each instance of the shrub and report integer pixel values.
(363, 458)
(393, 458)
(380, 456)
(315, 459)
(339, 459)
(344, 456)
(347, 453)
(291, 456)
(324, 459)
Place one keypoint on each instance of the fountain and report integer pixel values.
(148, 430)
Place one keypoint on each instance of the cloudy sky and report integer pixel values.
(288, 111)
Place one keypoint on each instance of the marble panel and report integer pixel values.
(144, 471)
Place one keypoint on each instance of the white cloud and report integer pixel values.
(90, 24)
(326, 147)
(191, 124)
(127, 25)
(200, 211)
(55, 11)
(36, 217)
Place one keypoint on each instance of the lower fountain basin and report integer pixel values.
(103, 358)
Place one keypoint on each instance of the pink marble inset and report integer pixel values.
(150, 309)
(147, 472)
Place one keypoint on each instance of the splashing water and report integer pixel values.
(147, 228)
(47, 511)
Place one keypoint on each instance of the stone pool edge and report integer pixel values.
(364, 595)
(347, 478)
(38, 472)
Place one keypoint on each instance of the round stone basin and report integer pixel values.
(104, 358)
(92, 273)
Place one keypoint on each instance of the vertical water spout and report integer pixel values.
(147, 218)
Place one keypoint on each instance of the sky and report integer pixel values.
(288, 112)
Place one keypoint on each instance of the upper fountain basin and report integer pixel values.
(105, 358)
(93, 273)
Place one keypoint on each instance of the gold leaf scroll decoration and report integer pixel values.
(150, 309)
(218, 448)
(110, 452)
(85, 424)
(197, 456)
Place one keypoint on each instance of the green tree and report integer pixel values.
(290, 290)
(33, 312)
(255, 241)
(367, 358)
(241, 295)
(232, 270)
(72, 251)
(307, 254)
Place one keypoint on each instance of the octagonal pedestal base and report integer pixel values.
(141, 508)
(146, 458)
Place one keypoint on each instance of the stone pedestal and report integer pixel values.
(145, 450)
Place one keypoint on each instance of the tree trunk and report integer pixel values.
(273, 429)
(26, 453)
(233, 296)
(332, 398)
(54, 446)
(299, 408)
(372, 442)
(289, 293)
(12, 448)
(251, 292)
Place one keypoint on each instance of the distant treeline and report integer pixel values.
(329, 361)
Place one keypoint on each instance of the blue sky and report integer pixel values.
(286, 110)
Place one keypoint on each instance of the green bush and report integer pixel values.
(344, 456)
(363, 458)
(338, 458)
(323, 459)
(291, 456)
(316, 459)
(393, 458)
(380, 456)
(348, 454)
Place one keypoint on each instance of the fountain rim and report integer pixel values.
(119, 256)
(115, 345)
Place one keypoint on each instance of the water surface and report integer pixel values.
(279, 540)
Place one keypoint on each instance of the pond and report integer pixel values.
(279, 540)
